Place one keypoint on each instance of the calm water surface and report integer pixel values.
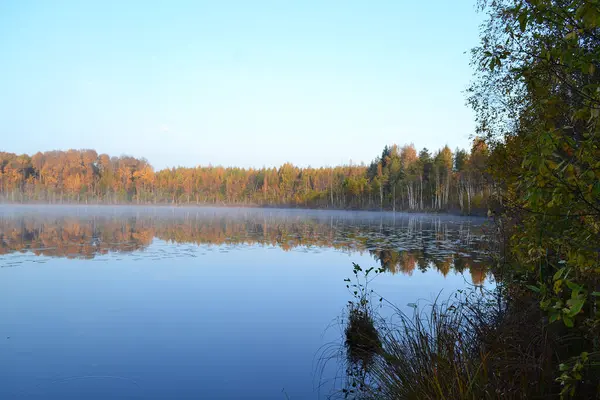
(202, 303)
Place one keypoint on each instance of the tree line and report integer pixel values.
(399, 179)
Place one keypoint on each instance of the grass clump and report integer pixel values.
(477, 344)
(362, 338)
(432, 354)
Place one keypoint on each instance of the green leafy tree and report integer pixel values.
(537, 101)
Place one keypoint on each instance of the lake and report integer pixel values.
(203, 303)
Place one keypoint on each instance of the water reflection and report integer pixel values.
(400, 244)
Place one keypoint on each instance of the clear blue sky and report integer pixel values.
(246, 83)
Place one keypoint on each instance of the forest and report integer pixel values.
(399, 179)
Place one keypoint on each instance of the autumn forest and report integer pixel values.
(401, 178)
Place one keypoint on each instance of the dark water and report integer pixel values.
(202, 303)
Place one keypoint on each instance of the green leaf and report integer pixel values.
(573, 286)
(523, 21)
(568, 321)
(575, 306)
(563, 367)
(534, 288)
(558, 274)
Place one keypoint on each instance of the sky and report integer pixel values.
(245, 83)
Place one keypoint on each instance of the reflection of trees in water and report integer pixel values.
(433, 244)
(407, 262)
(71, 237)
(401, 245)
